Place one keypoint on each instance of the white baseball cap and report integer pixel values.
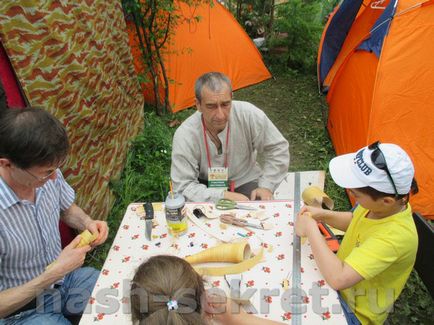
(357, 169)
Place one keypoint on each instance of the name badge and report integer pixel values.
(218, 177)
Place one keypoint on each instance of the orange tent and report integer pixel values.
(376, 65)
(214, 43)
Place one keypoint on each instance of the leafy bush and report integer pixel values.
(255, 17)
(297, 28)
(414, 305)
(147, 170)
(255, 23)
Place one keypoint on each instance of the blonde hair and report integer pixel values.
(163, 278)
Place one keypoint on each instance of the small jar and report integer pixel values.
(175, 214)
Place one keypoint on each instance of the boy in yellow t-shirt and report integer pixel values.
(379, 248)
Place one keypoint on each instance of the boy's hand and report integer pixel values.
(303, 223)
(315, 212)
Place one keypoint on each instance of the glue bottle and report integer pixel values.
(175, 214)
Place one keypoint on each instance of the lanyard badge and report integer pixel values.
(217, 176)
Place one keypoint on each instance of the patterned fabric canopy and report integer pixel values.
(73, 59)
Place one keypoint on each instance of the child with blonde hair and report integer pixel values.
(167, 290)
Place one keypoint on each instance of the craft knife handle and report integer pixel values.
(232, 220)
(149, 216)
(149, 211)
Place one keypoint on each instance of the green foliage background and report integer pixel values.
(298, 28)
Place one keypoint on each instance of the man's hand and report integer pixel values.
(303, 223)
(70, 258)
(100, 228)
(76, 218)
(261, 193)
(235, 196)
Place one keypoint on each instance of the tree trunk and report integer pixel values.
(145, 47)
(166, 106)
(271, 22)
(238, 14)
(152, 65)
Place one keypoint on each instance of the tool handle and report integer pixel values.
(222, 207)
(225, 204)
(198, 213)
(226, 218)
(330, 237)
(149, 210)
(324, 230)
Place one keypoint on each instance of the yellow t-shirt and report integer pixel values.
(383, 252)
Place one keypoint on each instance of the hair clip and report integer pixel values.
(172, 305)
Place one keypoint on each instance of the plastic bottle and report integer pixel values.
(175, 214)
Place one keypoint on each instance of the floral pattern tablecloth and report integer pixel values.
(109, 303)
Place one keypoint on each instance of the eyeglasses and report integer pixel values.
(40, 179)
(379, 161)
(44, 178)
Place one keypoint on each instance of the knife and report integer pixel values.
(149, 217)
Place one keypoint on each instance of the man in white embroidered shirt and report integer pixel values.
(33, 196)
(216, 148)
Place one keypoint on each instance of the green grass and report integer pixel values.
(292, 102)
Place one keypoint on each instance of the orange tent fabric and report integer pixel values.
(216, 43)
(389, 97)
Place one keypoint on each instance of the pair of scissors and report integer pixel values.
(226, 204)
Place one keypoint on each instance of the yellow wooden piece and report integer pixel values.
(239, 253)
(140, 210)
(315, 197)
(285, 284)
(336, 231)
(158, 206)
(50, 265)
(86, 238)
(231, 269)
(231, 252)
